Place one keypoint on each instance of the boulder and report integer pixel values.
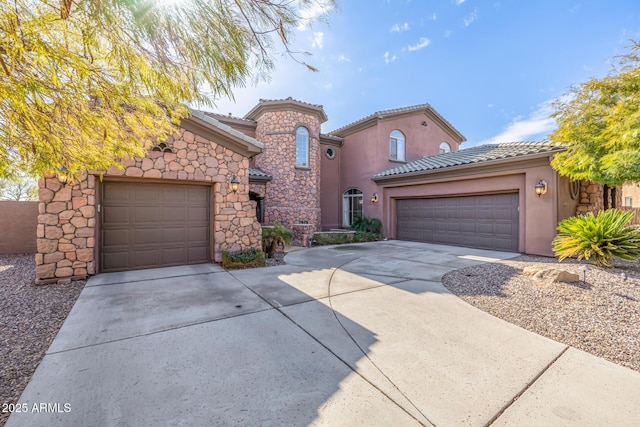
(552, 275)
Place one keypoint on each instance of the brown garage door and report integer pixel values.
(153, 225)
(486, 221)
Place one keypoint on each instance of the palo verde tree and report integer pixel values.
(85, 83)
(599, 122)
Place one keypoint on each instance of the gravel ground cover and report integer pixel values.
(30, 317)
(600, 315)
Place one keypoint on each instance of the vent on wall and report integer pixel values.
(162, 147)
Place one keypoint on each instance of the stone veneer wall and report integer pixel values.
(66, 232)
(293, 196)
(591, 198)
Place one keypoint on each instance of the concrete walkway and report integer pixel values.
(347, 335)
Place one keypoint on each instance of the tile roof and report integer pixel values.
(219, 116)
(259, 173)
(479, 154)
(266, 103)
(383, 113)
(226, 128)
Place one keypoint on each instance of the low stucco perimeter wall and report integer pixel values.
(18, 222)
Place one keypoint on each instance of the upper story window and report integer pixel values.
(396, 146)
(445, 148)
(302, 147)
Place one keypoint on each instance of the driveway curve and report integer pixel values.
(360, 334)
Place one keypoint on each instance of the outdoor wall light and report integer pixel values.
(63, 176)
(235, 182)
(374, 198)
(541, 188)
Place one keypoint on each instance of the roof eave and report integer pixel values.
(222, 134)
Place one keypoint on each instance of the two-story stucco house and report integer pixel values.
(209, 187)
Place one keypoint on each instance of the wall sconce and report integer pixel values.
(63, 176)
(374, 198)
(235, 182)
(541, 188)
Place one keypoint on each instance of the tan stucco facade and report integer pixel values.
(538, 216)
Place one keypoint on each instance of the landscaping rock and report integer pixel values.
(550, 275)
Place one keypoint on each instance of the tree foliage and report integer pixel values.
(599, 121)
(18, 187)
(84, 83)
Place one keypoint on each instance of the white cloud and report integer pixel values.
(434, 17)
(490, 105)
(388, 58)
(342, 58)
(424, 42)
(396, 28)
(471, 18)
(328, 85)
(534, 127)
(459, 2)
(448, 34)
(312, 12)
(318, 39)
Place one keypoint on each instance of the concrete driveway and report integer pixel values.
(347, 335)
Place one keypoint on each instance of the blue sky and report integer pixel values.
(489, 67)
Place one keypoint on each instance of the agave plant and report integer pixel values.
(599, 238)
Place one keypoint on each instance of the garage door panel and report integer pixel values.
(116, 214)
(173, 235)
(197, 213)
(144, 215)
(198, 234)
(145, 258)
(483, 221)
(145, 236)
(145, 225)
(115, 237)
(173, 194)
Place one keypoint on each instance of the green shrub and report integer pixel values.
(599, 238)
(332, 238)
(366, 225)
(249, 258)
(274, 236)
(363, 236)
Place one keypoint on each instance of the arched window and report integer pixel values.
(445, 148)
(302, 147)
(351, 206)
(396, 146)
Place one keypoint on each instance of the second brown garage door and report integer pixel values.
(153, 225)
(484, 221)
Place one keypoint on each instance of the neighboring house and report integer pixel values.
(176, 205)
(631, 195)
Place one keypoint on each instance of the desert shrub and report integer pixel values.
(599, 238)
(367, 225)
(249, 258)
(332, 238)
(274, 236)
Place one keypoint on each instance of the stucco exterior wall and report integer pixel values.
(366, 153)
(631, 190)
(331, 195)
(67, 224)
(293, 195)
(537, 219)
(18, 221)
